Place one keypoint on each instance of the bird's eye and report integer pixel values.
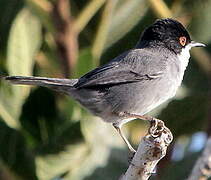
(182, 40)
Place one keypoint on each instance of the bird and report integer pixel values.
(135, 82)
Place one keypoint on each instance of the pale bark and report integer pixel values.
(151, 150)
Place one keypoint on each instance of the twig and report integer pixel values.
(44, 5)
(103, 30)
(151, 150)
(202, 168)
(66, 36)
(160, 8)
(87, 13)
(68, 30)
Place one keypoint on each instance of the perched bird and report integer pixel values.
(133, 83)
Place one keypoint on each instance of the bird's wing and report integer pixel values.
(127, 68)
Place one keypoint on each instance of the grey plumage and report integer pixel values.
(122, 85)
(54, 83)
(134, 82)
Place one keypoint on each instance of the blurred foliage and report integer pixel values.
(45, 135)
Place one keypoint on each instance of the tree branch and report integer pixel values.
(87, 13)
(151, 150)
(66, 37)
(103, 29)
(202, 168)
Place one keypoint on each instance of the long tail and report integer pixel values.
(54, 83)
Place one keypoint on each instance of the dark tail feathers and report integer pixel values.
(54, 83)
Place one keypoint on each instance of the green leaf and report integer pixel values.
(201, 18)
(15, 155)
(102, 139)
(103, 30)
(81, 160)
(63, 154)
(43, 14)
(24, 42)
(53, 165)
(127, 15)
(84, 63)
(7, 15)
(187, 112)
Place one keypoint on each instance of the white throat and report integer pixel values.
(184, 57)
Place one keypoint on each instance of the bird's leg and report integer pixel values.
(155, 123)
(118, 128)
(136, 116)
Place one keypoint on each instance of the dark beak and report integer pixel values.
(196, 44)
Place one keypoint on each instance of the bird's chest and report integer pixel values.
(167, 86)
(178, 68)
(175, 73)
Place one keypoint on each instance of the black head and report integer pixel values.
(168, 33)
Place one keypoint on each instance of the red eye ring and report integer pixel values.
(182, 40)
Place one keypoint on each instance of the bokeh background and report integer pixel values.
(46, 135)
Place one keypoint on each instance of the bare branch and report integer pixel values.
(151, 150)
(87, 13)
(103, 30)
(160, 8)
(66, 37)
(202, 168)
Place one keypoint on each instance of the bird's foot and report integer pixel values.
(156, 127)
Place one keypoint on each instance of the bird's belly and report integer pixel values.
(162, 93)
(140, 98)
(153, 103)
